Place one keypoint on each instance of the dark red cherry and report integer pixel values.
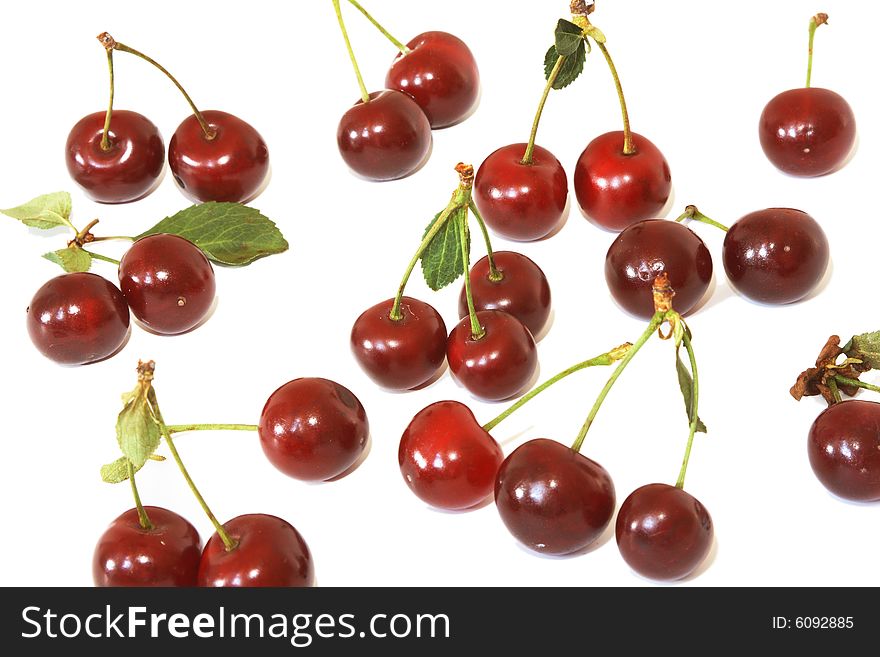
(440, 73)
(521, 201)
(229, 167)
(313, 429)
(615, 190)
(500, 363)
(78, 318)
(400, 354)
(649, 247)
(270, 552)
(777, 255)
(663, 532)
(128, 170)
(166, 555)
(386, 138)
(167, 282)
(808, 131)
(553, 499)
(844, 449)
(522, 291)
(446, 458)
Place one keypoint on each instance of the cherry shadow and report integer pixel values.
(544, 331)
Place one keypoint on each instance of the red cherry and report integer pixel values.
(128, 170)
(440, 74)
(270, 552)
(808, 131)
(497, 365)
(313, 429)
(844, 449)
(663, 532)
(649, 247)
(166, 555)
(523, 290)
(446, 458)
(229, 167)
(78, 318)
(615, 190)
(777, 255)
(386, 138)
(521, 201)
(553, 499)
(400, 354)
(168, 283)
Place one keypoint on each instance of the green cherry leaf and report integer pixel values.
(568, 37)
(571, 68)
(866, 348)
(229, 233)
(686, 383)
(44, 212)
(136, 428)
(443, 260)
(116, 472)
(71, 259)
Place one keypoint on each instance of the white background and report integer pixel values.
(697, 75)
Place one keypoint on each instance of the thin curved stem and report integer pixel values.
(180, 428)
(143, 518)
(691, 212)
(835, 392)
(397, 44)
(656, 321)
(98, 256)
(694, 410)
(846, 381)
(477, 331)
(105, 138)
(365, 95)
(815, 22)
(628, 148)
(530, 147)
(494, 274)
(107, 238)
(607, 358)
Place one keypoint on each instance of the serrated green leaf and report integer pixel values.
(686, 383)
(44, 212)
(443, 259)
(866, 348)
(116, 472)
(71, 259)
(137, 430)
(571, 68)
(568, 37)
(229, 233)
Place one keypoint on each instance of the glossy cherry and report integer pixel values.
(400, 354)
(663, 532)
(168, 283)
(553, 499)
(500, 363)
(230, 166)
(313, 429)
(441, 75)
(128, 170)
(270, 552)
(777, 255)
(447, 459)
(521, 201)
(386, 138)
(166, 555)
(808, 131)
(616, 190)
(522, 291)
(649, 247)
(844, 449)
(78, 318)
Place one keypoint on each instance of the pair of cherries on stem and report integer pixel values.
(81, 317)
(432, 83)
(118, 156)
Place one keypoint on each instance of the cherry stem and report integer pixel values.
(477, 331)
(397, 44)
(494, 274)
(365, 95)
(551, 79)
(98, 256)
(846, 381)
(695, 418)
(111, 44)
(105, 138)
(180, 428)
(82, 235)
(835, 393)
(461, 198)
(815, 22)
(607, 358)
(107, 238)
(628, 148)
(655, 323)
(143, 518)
(691, 212)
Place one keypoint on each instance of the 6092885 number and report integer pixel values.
(823, 622)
